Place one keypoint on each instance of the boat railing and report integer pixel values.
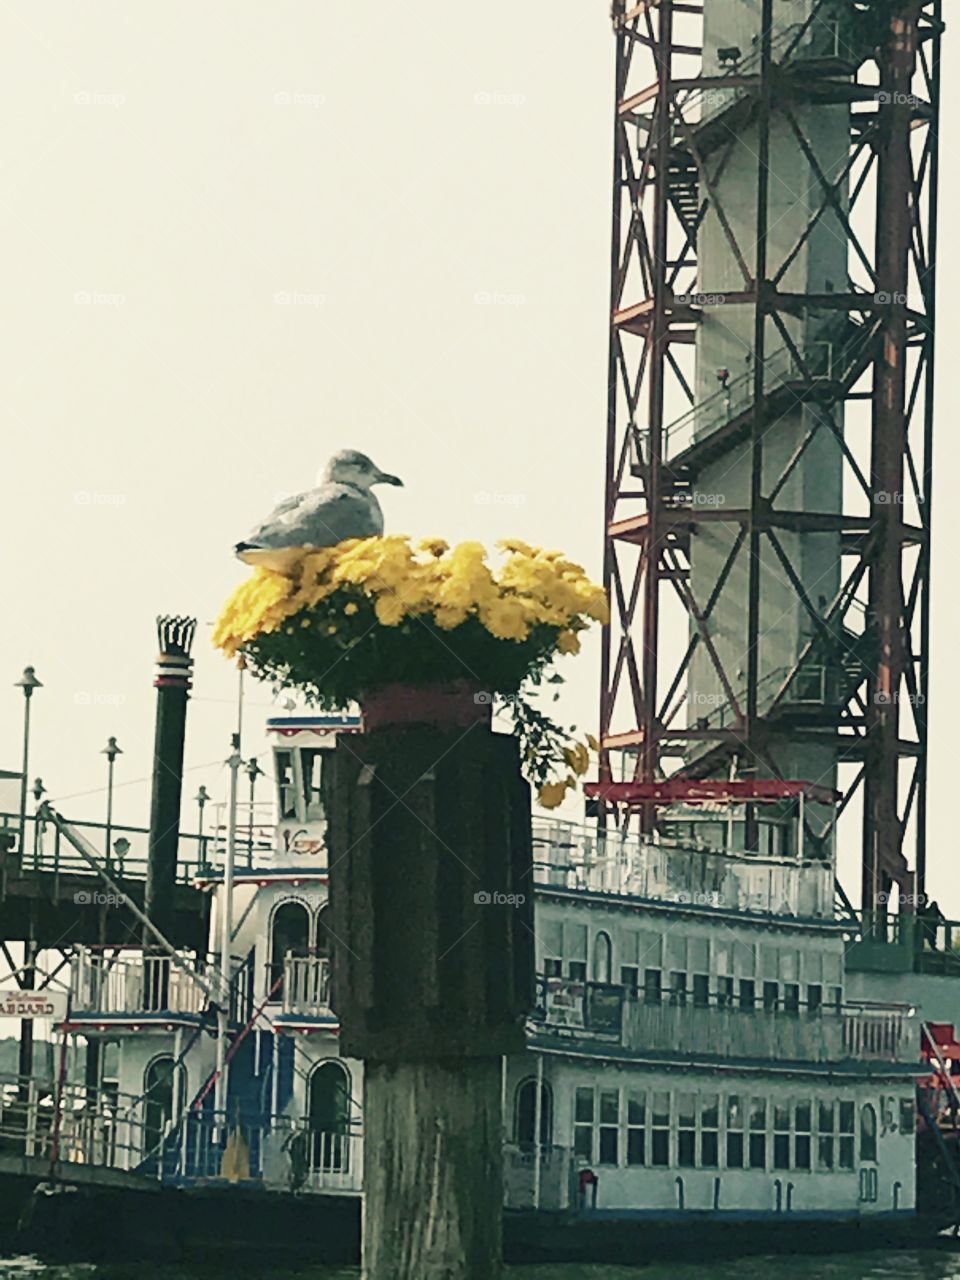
(45, 1117)
(551, 1186)
(670, 1024)
(140, 983)
(306, 985)
(586, 859)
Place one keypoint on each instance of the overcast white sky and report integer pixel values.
(238, 236)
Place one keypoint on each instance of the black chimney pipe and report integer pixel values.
(172, 682)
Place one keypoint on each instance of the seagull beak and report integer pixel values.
(383, 478)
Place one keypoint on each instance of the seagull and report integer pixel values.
(340, 507)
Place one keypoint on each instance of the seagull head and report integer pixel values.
(356, 469)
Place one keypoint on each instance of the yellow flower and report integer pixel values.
(567, 642)
(551, 794)
(350, 608)
(435, 546)
(506, 619)
(389, 610)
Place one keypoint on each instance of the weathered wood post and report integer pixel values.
(430, 892)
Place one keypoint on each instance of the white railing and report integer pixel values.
(550, 1187)
(306, 985)
(828, 1033)
(886, 1032)
(334, 1161)
(572, 857)
(138, 984)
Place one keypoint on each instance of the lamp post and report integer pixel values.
(111, 751)
(27, 682)
(253, 772)
(201, 798)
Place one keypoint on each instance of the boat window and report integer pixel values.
(290, 935)
(678, 988)
(630, 978)
(651, 986)
(609, 1126)
(324, 940)
(771, 993)
(636, 1128)
(311, 766)
(701, 990)
(602, 958)
(286, 785)
(803, 1126)
(577, 969)
(908, 1116)
(660, 1131)
(686, 1129)
(163, 1088)
(791, 997)
(583, 1123)
(748, 993)
(526, 1112)
(709, 1131)
(553, 968)
(328, 1119)
(725, 992)
(734, 1132)
(868, 1133)
(826, 1122)
(758, 1133)
(814, 998)
(847, 1116)
(781, 1135)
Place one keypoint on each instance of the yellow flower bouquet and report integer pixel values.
(345, 621)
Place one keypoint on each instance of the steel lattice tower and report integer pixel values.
(770, 402)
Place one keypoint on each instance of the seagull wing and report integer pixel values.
(318, 518)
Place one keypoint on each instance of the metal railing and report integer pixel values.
(781, 368)
(306, 985)
(45, 849)
(662, 1024)
(586, 859)
(128, 984)
(552, 1186)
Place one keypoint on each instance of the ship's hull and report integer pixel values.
(73, 1223)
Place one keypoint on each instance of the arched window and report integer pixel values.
(324, 936)
(602, 957)
(289, 934)
(163, 1088)
(328, 1118)
(868, 1133)
(526, 1113)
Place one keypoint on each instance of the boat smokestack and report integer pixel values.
(172, 682)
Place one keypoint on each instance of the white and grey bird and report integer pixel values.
(342, 506)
